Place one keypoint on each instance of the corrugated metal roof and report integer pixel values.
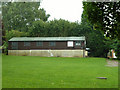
(46, 38)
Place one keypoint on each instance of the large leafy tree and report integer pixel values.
(61, 28)
(95, 39)
(55, 28)
(104, 16)
(20, 15)
(38, 29)
(95, 42)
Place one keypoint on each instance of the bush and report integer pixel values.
(117, 50)
(9, 35)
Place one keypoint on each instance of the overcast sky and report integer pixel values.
(70, 10)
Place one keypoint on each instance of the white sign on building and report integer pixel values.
(70, 43)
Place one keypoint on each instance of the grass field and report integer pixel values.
(57, 72)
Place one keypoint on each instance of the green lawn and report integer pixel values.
(57, 72)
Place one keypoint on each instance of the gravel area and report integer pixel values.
(112, 63)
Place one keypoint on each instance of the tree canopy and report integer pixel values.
(104, 16)
(20, 15)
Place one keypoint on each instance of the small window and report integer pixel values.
(39, 43)
(14, 45)
(77, 43)
(51, 43)
(26, 43)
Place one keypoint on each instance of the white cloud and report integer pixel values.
(70, 10)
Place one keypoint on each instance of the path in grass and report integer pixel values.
(112, 63)
(57, 72)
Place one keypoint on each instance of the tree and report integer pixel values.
(9, 35)
(104, 16)
(59, 28)
(117, 50)
(96, 43)
(20, 15)
(38, 29)
(94, 38)
(55, 28)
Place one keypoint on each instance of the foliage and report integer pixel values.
(55, 28)
(38, 29)
(15, 33)
(57, 72)
(97, 44)
(9, 35)
(117, 50)
(116, 46)
(104, 16)
(59, 28)
(95, 39)
(20, 15)
(113, 44)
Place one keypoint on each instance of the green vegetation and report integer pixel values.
(9, 35)
(20, 15)
(104, 16)
(57, 72)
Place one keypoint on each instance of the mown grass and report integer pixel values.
(57, 72)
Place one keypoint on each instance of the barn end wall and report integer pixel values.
(48, 53)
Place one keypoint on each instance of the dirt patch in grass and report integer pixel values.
(112, 63)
